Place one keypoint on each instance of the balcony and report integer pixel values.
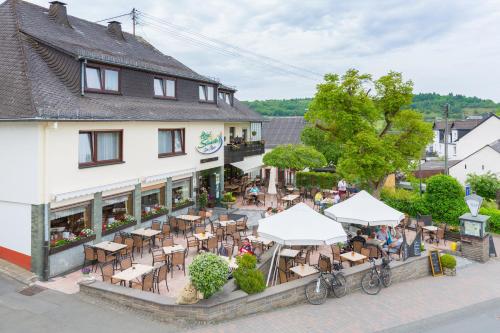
(236, 152)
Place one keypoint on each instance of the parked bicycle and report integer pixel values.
(373, 280)
(318, 290)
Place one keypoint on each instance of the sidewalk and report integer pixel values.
(17, 273)
(397, 305)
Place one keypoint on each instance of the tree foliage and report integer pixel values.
(296, 157)
(314, 137)
(208, 273)
(485, 185)
(444, 198)
(375, 134)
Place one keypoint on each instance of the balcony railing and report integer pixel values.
(237, 152)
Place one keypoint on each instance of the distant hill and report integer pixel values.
(431, 105)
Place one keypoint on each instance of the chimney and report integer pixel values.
(57, 13)
(115, 29)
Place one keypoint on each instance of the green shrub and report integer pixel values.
(448, 261)
(485, 185)
(444, 198)
(203, 200)
(494, 220)
(247, 276)
(208, 273)
(405, 201)
(228, 197)
(322, 180)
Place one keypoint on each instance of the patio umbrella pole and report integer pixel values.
(271, 267)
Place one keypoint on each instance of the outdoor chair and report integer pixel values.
(89, 255)
(125, 262)
(178, 260)
(183, 226)
(147, 282)
(236, 239)
(107, 271)
(130, 247)
(191, 211)
(165, 230)
(284, 277)
(261, 199)
(440, 235)
(102, 258)
(219, 233)
(139, 243)
(229, 249)
(118, 239)
(241, 226)
(192, 242)
(167, 241)
(366, 252)
(230, 230)
(304, 257)
(356, 246)
(156, 225)
(255, 229)
(161, 275)
(158, 256)
(324, 264)
(212, 244)
(374, 251)
(174, 224)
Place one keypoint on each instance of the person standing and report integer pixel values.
(342, 187)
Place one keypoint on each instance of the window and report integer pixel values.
(170, 142)
(245, 134)
(102, 79)
(181, 192)
(116, 207)
(232, 133)
(99, 147)
(164, 87)
(206, 93)
(226, 97)
(67, 222)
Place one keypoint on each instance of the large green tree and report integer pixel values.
(368, 122)
(314, 137)
(296, 157)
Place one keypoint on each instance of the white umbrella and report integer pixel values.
(271, 189)
(364, 209)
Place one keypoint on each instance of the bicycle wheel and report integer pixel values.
(386, 276)
(339, 285)
(371, 283)
(316, 292)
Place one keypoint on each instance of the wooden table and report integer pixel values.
(352, 258)
(289, 253)
(189, 218)
(132, 273)
(431, 228)
(290, 198)
(171, 249)
(204, 236)
(304, 270)
(225, 223)
(146, 232)
(257, 239)
(111, 247)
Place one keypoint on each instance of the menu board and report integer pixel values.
(416, 245)
(472, 228)
(435, 262)
(405, 249)
(493, 252)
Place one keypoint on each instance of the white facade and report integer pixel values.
(481, 162)
(483, 134)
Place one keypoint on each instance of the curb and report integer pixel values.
(17, 273)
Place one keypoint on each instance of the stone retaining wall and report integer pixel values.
(230, 303)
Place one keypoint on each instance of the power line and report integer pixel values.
(114, 17)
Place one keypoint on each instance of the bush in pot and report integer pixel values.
(208, 273)
(449, 263)
(247, 277)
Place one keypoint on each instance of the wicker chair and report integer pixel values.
(102, 258)
(261, 199)
(174, 224)
(304, 257)
(158, 256)
(146, 283)
(107, 271)
(241, 226)
(130, 247)
(219, 232)
(125, 262)
(230, 229)
(229, 249)
(167, 241)
(324, 263)
(357, 246)
(183, 226)
(165, 230)
(161, 275)
(139, 243)
(366, 252)
(192, 242)
(156, 225)
(118, 239)
(178, 259)
(212, 244)
(89, 255)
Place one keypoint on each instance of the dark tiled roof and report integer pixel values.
(33, 87)
(467, 124)
(437, 165)
(495, 145)
(282, 130)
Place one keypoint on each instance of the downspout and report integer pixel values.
(46, 243)
(83, 63)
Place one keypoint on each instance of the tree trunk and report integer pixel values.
(378, 186)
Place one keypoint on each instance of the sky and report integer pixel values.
(443, 46)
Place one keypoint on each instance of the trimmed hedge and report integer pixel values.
(405, 201)
(494, 221)
(322, 180)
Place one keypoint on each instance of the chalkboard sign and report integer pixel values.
(405, 249)
(416, 245)
(493, 252)
(435, 262)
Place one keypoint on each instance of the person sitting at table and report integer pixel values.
(372, 241)
(336, 198)
(358, 238)
(254, 190)
(269, 212)
(383, 235)
(246, 247)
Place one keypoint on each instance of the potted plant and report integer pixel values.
(208, 273)
(248, 278)
(203, 200)
(228, 200)
(449, 264)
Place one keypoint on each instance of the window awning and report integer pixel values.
(249, 164)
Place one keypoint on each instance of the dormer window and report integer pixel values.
(102, 79)
(164, 87)
(206, 93)
(226, 97)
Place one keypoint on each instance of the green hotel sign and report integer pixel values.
(209, 143)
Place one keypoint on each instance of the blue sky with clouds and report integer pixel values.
(442, 45)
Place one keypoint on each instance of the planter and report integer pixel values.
(183, 205)
(145, 219)
(449, 271)
(57, 249)
(124, 226)
(228, 204)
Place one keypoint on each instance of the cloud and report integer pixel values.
(443, 46)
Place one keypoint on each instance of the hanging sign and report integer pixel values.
(209, 143)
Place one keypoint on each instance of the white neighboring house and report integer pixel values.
(456, 130)
(482, 161)
(487, 132)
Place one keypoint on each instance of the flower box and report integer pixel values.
(76, 242)
(182, 205)
(119, 228)
(154, 213)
